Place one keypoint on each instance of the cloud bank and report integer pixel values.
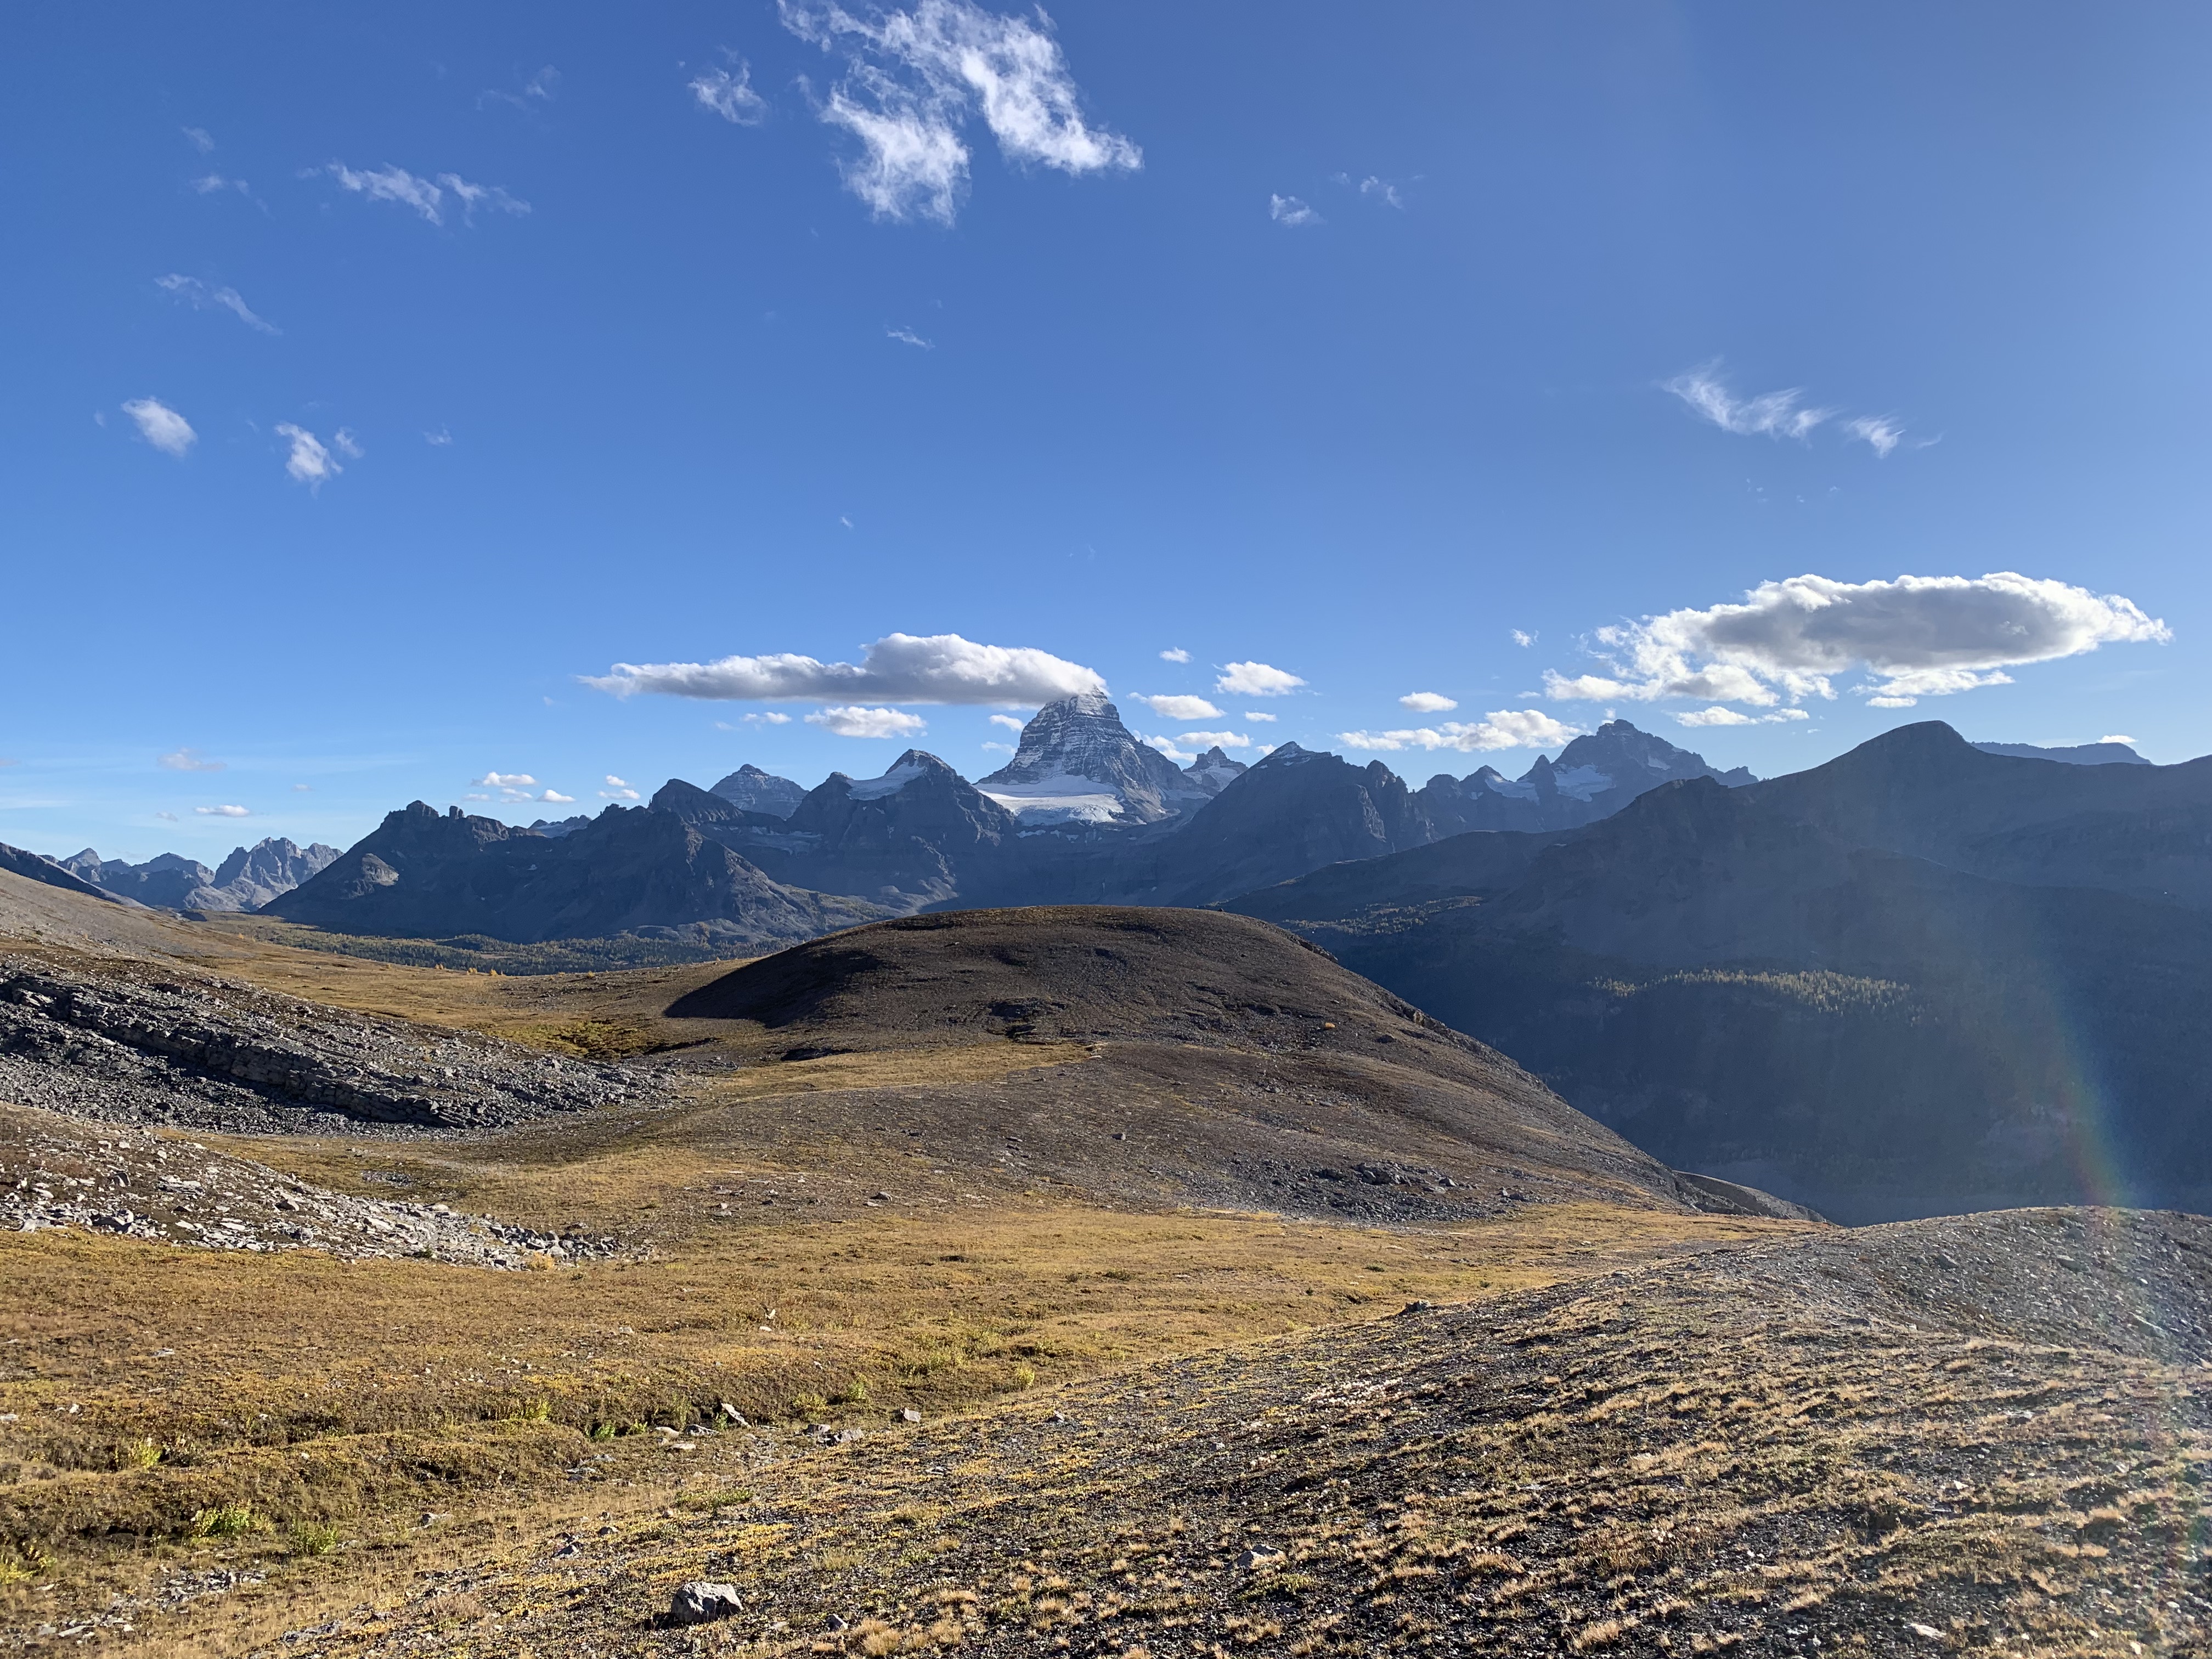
(1918, 637)
(857, 722)
(1502, 728)
(1178, 707)
(918, 77)
(1256, 679)
(897, 668)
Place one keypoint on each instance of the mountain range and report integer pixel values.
(247, 880)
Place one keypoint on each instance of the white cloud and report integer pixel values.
(908, 336)
(309, 463)
(731, 96)
(1892, 703)
(1252, 715)
(347, 444)
(858, 722)
(1502, 728)
(438, 438)
(1717, 715)
(1919, 636)
(201, 297)
(558, 799)
(188, 760)
(897, 668)
(167, 817)
(162, 426)
(1428, 703)
(1770, 415)
(1210, 739)
(474, 795)
(223, 811)
(1524, 640)
(505, 780)
(490, 197)
(209, 184)
(1167, 746)
(1178, 654)
(1879, 432)
(997, 748)
(1289, 210)
(1178, 707)
(1256, 679)
(393, 184)
(614, 782)
(2116, 738)
(197, 137)
(1011, 722)
(303, 788)
(918, 77)
(1381, 188)
(619, 794)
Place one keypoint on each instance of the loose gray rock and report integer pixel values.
(699, 1602)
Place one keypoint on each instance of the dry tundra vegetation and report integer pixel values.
(1076, 1282)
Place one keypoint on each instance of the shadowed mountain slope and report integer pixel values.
(1792, 986)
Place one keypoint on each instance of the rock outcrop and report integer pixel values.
(757, 791)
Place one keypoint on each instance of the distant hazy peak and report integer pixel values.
(2079, 754)
(757, 791)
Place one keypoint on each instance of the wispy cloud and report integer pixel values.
(1292, 211)
(1254, 715)
(1011, 722)
(346, 444)
(188, 760)
(1383, 191)
(309, 462)
(1770, 414)
(428, 199)
(897, 668)
(438, 438)
(505, 780)
(768, 719)
(1215, 739)
(858, 722)
(1523, 639)
(918, 77)
(162, 426)
(1918, 636)
(201, 297)
(618, 789)
(198, 139)
(996, 747)
(1176, 654)
(731, 95)
(1167, 746)
(1428, 703)
(1180, 708)
(223, 811)
(1256, 679)
(1878, 432)
(908, 336)
(542, 87)
(1502, 728)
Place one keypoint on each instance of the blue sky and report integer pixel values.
(1334, 340)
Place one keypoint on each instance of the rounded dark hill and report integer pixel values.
(1063, 971)
(1229, 1063)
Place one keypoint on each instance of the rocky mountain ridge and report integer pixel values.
(249, 879)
